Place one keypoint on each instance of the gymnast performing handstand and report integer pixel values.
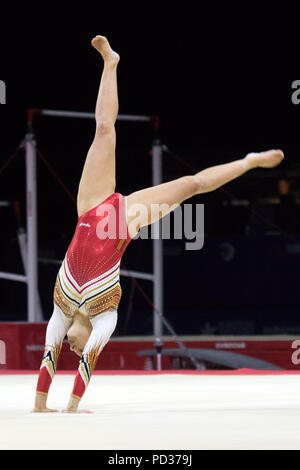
(87, 291)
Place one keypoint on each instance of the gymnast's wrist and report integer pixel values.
(73, 403)
(40, 399)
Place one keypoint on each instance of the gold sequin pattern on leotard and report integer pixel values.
(104, 302)
(62, 301)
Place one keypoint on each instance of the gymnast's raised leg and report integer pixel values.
(98, 177)
(151, 204)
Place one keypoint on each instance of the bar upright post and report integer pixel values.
(32, 253)
(157, 258)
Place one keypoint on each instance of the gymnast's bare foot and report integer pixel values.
(268, 159)
(101, 44)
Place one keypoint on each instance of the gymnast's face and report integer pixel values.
(77, 337)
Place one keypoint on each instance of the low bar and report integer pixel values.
(137, 274)
(13, 277)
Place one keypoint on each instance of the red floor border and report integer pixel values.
(164, 372)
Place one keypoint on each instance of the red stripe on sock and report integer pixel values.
(79, 386)
(44, 381)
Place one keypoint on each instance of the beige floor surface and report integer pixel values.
(157, 412)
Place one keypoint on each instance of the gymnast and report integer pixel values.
(87, 290)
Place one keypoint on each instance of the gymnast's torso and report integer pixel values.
(89, 277)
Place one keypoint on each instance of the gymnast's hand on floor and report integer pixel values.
(77, 411)
(40, 405)
(73, 407)
(44, 410)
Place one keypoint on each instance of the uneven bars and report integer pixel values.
(84, 115)
(157, 276)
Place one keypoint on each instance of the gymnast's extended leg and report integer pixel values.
(98, 175)
(151, 204)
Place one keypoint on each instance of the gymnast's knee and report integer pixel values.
(105, 127)
(192, 185)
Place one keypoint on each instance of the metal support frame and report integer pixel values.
(28, 244)
(31, 276)
(157, 258)
(32, 238)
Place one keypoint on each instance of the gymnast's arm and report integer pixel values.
(56, 331)
(103, 327)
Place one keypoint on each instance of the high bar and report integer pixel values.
(84, 115)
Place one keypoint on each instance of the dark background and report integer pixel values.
(221, 84)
